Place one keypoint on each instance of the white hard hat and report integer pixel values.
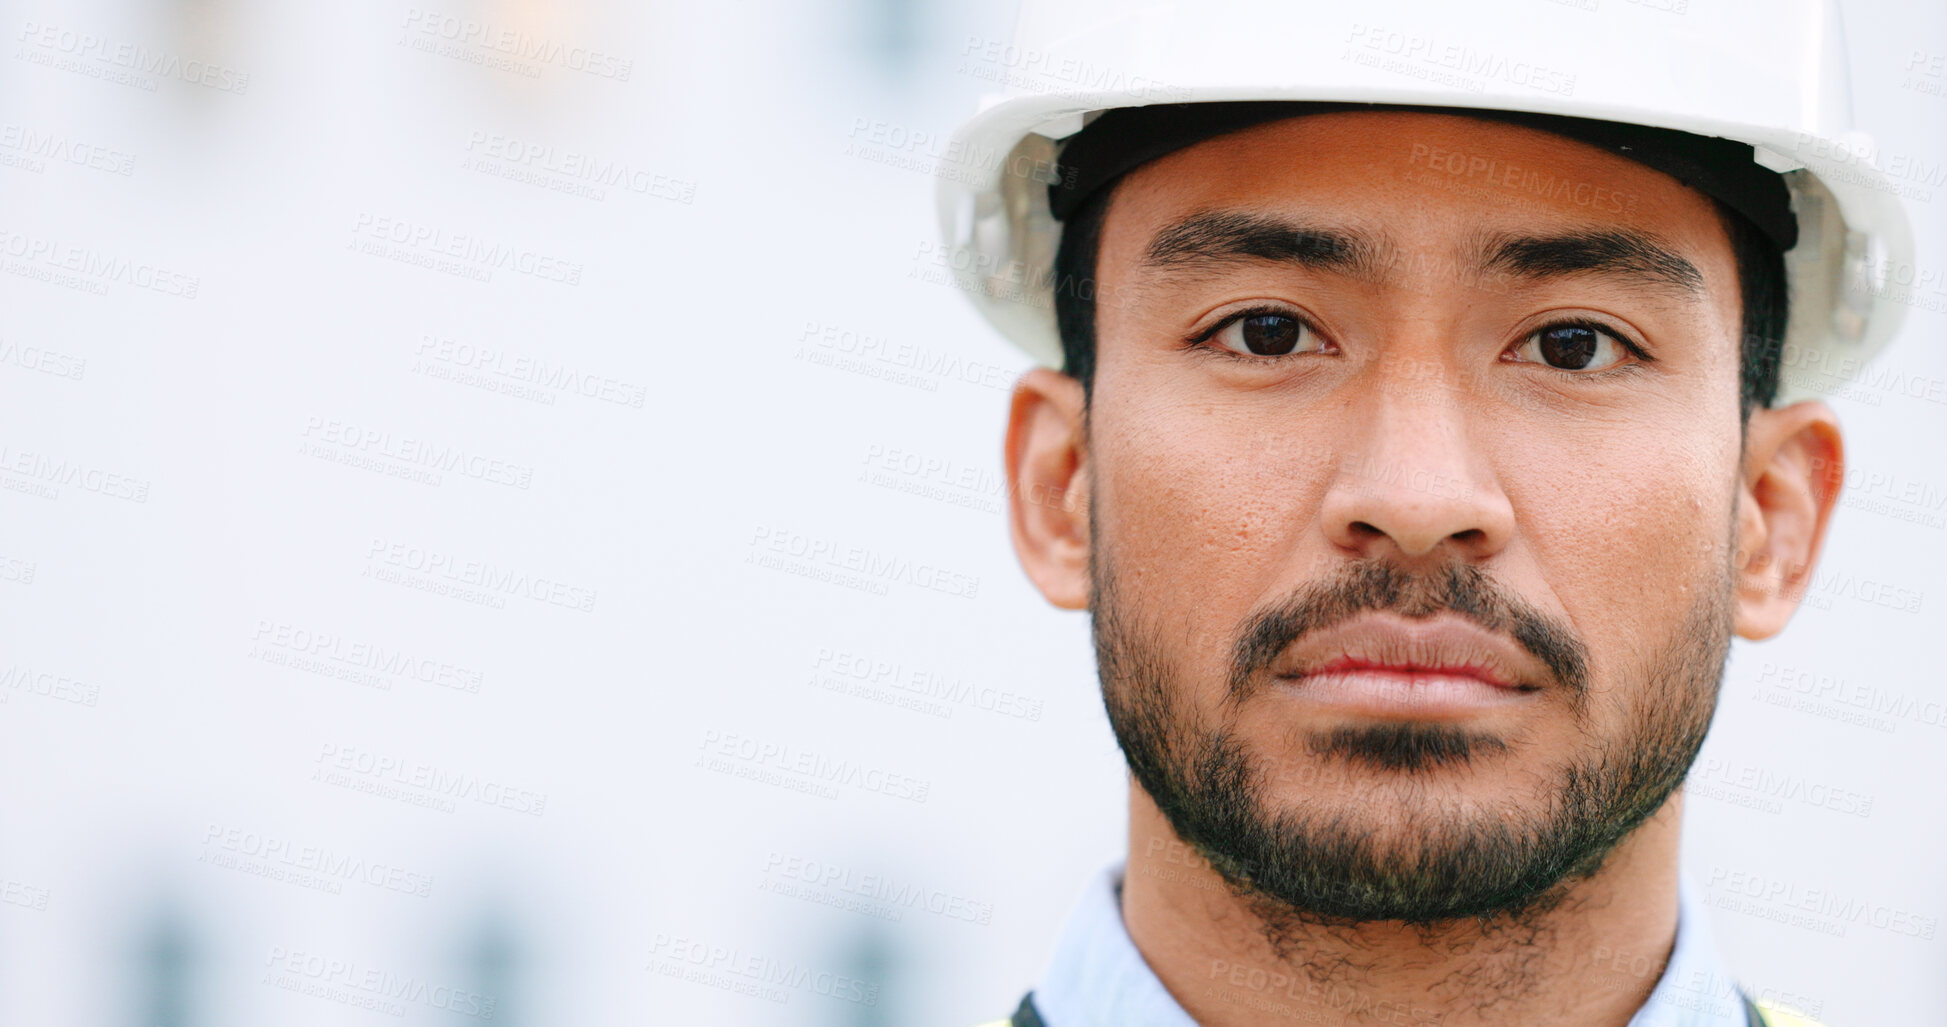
(1769, 73)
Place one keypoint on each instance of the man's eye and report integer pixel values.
(1573, 348)
(1267, 335)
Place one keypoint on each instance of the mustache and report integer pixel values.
(1381, 587)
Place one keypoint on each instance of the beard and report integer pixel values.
(1323, 865)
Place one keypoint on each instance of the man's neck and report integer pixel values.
(1591, 961)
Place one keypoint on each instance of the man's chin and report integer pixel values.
(1363, 868)
(1428, 845)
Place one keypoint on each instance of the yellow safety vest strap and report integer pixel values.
(1777, 1017)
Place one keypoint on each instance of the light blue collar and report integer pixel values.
(1098, 979)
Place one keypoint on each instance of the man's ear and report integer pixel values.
(1047, 478)
(1794, 468)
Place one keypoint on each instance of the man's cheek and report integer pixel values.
(1615, 538)
(1174, 553)
(1213, 537)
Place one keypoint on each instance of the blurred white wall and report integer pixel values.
(408, 415)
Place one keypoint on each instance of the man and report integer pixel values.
(1415, 509)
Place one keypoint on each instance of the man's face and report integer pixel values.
(1412, 493)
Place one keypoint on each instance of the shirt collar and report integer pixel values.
(1097, 978)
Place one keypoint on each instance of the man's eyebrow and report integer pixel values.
(1214, 238)
(1613, 253)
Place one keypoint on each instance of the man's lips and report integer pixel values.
(1410, 671)
(1386, 666)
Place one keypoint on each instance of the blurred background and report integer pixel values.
(502, 523)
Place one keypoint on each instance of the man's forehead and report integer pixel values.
(1427, 162)
(1121, 142)
(1351, 192)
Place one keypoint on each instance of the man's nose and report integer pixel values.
(1413, 478)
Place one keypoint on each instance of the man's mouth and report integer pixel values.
(1412, 673)
(1387, 667)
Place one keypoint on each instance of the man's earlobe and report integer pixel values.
(1794, 468)
(1047, 485)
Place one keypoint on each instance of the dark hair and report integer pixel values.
(1760, 282)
